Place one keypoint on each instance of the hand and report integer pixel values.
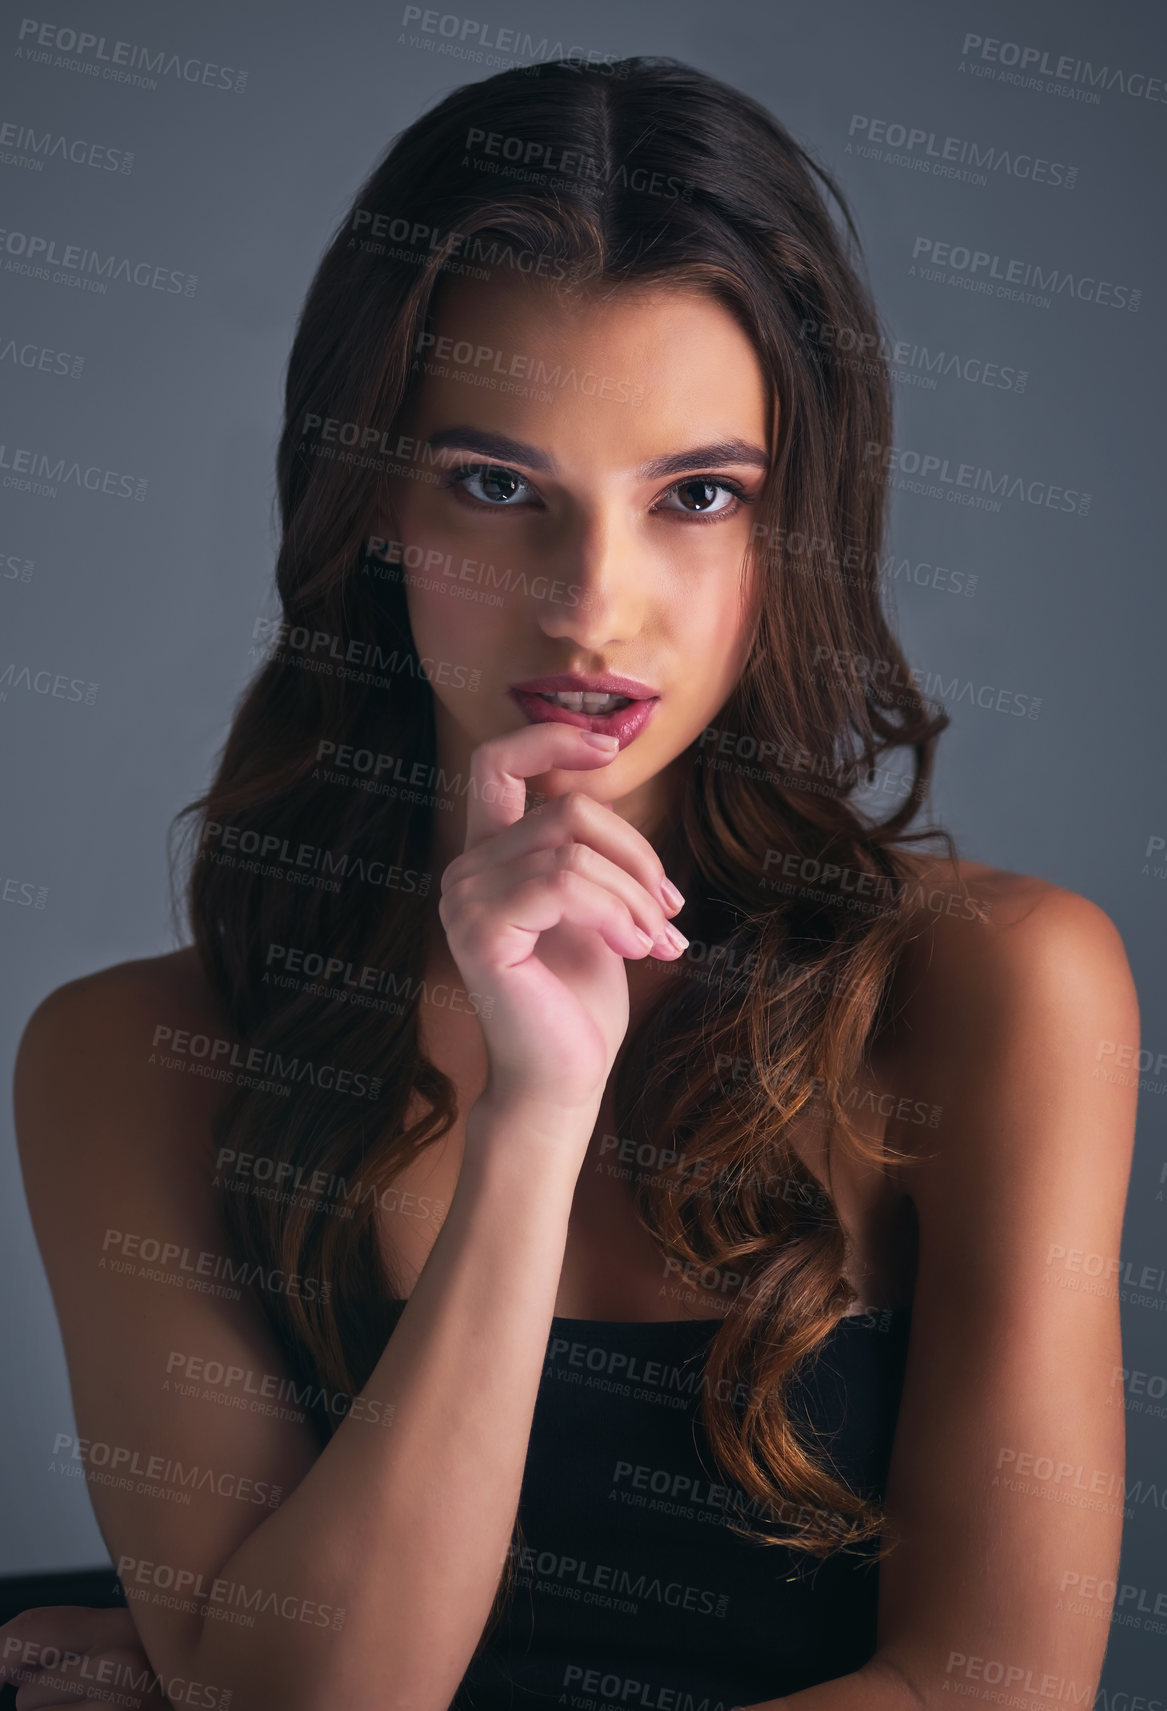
(540, 911)
(68, 1655)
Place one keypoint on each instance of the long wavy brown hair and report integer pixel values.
(646, 170)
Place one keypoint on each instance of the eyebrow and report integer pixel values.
(507, 451)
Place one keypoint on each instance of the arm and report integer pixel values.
(396, 1533)
(1010, 1363)
(403, 1527)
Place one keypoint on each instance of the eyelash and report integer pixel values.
(462, 472)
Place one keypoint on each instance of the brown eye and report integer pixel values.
(699, 496)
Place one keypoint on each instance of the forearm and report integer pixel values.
(875, 1687)
(405, 1525)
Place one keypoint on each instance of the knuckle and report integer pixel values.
(578, 806)
(464, 911)
(653, 902)
(451, 874)
(455, 895)
(489, 758)
(562, 879)
(473, 927)
(452, 911)
(570, 857)
(484, 751)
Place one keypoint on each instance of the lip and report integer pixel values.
(626, 723)
(566, 682)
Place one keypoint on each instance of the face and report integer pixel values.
(599, 531)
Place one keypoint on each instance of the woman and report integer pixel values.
(478, 1178)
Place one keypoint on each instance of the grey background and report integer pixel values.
(155, 601)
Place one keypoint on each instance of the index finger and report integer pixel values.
(498, 767)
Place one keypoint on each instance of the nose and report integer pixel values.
(603, 590)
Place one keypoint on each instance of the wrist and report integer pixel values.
(499, 1123)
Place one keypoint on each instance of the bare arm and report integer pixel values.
(371, 1582)
(1007, 1473)
(401, 1523)
(407, 1528)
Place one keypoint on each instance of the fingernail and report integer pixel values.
(669, 895)
(599, 740)
(678, 940)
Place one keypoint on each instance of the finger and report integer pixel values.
(497, 796)
(644, 908)
(47, 1699)
(119, 1672)
(120, 1702)
(60, 1631)
(577, 817)
(497, 938)
(125, 1688)
(40, 1695)
(122, 1676)
(75, 1626)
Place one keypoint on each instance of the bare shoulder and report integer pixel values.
(1013, 1001)
(115, 1128)
(99, 1040)
(174, 980)
(983, 936)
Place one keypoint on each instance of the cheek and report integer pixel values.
(465, 635)
(429, 569)
(417, 511)
(440, 623)
(713, 631)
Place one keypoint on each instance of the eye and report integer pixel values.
(698, 495)
(496, 485)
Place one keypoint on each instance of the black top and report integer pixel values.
(632, 1593)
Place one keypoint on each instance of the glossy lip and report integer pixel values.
(567, 682)
(626, 723)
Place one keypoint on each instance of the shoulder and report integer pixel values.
(1010, 1018)
(111, 1006)
(101, 1004)
(112, 994)
(90, 1052)
(983, 936)
(175, 978)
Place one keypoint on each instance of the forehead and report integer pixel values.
(634, 369)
